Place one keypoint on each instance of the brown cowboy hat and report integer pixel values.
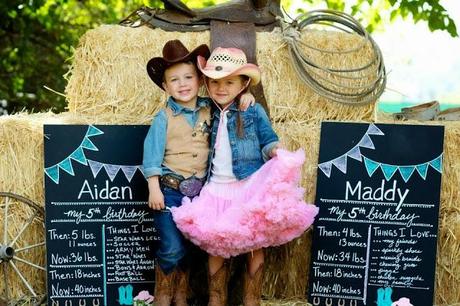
(173, 52)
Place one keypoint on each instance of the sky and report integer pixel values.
(422, 66)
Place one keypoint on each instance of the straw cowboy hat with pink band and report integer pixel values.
(225, 62)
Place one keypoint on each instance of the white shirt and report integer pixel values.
(222, 170)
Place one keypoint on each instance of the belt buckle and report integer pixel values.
(191, 186)
(170, 181)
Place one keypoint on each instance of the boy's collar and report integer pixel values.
(177, 108)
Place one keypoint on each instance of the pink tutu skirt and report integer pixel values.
(267, 209)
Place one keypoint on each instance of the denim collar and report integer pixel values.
(233, 107)
(178, 109)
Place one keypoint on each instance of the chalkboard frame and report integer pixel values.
(366, 162)
(100, 236)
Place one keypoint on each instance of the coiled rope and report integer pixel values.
(356, 85)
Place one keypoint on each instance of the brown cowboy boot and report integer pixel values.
(180, 296)
(252, 289)
(218, 287)
(164, 287)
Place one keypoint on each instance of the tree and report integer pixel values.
(375, 13)
(37, 37)
(36, 43)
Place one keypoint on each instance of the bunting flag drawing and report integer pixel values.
(112, 170)
(77, 155)
(341, 162)
(406, 171)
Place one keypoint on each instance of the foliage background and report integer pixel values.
(38, 37)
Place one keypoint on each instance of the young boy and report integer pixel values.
(176, 152)
(175, 156)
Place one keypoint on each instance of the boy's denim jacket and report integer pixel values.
(251, 151)
(155, 141)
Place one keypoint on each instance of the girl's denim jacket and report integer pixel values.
(251, 151)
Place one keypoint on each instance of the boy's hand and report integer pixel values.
(156, 198)
(246, 100)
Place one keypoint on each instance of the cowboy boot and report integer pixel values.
(218, 287)
(180, 296)
(164, 287)
(252, 289)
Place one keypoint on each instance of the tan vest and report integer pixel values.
(187, 148)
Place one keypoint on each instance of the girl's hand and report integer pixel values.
(274, 150)
(246, 100)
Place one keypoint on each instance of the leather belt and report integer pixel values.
(189, 187)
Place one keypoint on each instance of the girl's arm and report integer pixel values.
(268, 139)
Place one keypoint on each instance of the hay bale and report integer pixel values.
(294, 257)
(18, 216)
(287, 266)
(448, 260)
(448, 256)
(108, 73)
(21, 137)
(21, 172)
(21, 145)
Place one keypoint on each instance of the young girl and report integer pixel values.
(248, 204)
(176, 151)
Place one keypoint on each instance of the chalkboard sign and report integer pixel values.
(100, 237)
(378, 190)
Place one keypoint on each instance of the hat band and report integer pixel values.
(220, 68)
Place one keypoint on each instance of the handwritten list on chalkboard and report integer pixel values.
(99, 230)
(378, 190)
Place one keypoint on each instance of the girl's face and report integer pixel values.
(181, 81)
(224, 91)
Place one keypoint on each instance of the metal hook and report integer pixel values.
(341, 302)
(328, 302)
(353, 302)
(96, 302)
(70, 303)
(316, 300)
(82, 302)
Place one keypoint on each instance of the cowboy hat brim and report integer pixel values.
(249, 70)
(156, 66)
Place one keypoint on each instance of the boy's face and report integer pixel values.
(225, 90)
(182, 83)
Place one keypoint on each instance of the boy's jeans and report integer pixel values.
(172, 245)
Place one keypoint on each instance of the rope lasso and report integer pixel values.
(357, 85)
